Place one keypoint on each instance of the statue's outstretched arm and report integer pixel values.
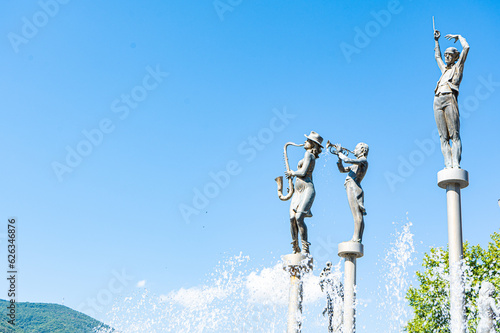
(464, 43)
(465, 47)
(462, 40)
(361, 160)
(437, 52)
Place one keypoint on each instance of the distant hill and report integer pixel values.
(48, 318)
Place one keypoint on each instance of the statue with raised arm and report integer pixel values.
(487, 308)
(303, 192)
(445, 98)
(355, 174)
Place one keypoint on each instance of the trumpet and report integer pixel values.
(336, 149)
(279, 180)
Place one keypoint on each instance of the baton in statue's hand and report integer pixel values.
(437, 34)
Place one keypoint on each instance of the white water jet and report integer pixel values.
(332, 286)
(398, 258)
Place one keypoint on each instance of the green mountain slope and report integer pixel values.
(47, 318)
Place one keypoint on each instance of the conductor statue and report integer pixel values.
(445, 98)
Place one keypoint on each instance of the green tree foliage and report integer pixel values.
(430, 300)
(48, 318)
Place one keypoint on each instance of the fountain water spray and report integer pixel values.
(234, 298)
(398, 258)
(237, 297)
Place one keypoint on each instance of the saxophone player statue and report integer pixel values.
(302, 193)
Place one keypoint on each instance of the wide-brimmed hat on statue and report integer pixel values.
(315, 137)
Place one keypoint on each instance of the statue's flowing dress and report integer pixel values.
(304, 194)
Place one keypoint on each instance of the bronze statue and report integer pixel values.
(355, 174)
(303, 192)
(446, 111)
(487, 308)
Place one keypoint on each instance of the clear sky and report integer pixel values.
(116, 115)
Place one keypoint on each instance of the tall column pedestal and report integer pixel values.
(350, 251)
(453, 180)
(297, 265)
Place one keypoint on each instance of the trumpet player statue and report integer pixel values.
(445, 98)
(302, 193)
(355, 174)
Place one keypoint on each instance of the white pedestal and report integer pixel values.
(296, 264)
(453, 180)
(350, 251)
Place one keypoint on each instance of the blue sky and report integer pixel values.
(179, 92)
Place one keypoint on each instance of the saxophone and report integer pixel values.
(279, 180)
